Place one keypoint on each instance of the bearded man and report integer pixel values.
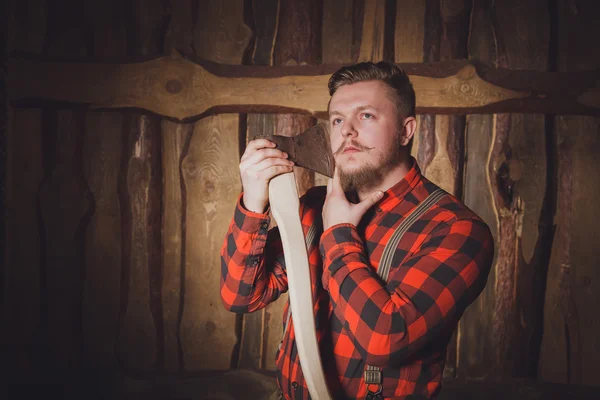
(385, 301)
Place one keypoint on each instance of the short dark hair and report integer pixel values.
(390, 74)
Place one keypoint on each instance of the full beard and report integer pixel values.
(371, 175)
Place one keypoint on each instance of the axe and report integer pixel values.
(309, 149)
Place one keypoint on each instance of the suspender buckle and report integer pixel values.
(373, 377)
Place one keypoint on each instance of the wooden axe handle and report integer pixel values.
(285, 205)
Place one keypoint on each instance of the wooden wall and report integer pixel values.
(114, 219)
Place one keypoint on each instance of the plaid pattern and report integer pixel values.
(403, 325)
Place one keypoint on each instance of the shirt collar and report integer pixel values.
(396, 193)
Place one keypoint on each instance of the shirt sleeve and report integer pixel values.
(423, 298)
(252, 267)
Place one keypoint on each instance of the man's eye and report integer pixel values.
(336, 121)
(367, 116)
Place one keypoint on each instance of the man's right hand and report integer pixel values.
(259, 164)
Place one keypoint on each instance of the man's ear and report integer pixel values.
(408, 130)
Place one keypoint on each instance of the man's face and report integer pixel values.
(365, 133)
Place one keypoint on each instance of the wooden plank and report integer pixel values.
(174, 137)
(409, 33)
(373, 33)
(180, 32)
(336, 36)
(519, 185)
(220, 33)
(431, 53)
(102, 152)
(475, 352)
(211, 182)
(21, 252)
(141, 332)
(147, 33)
(569, 345)
(139, 193)
(443, 138)
(175, 140)
(190, 90)
(257, 336)
(409, 39)
(337, 42)
(265, 15)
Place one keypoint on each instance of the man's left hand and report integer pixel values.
(338, 210)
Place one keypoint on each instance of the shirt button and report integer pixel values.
(379, 209)
(295, 385)
(264, 225)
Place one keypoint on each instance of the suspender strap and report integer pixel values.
(373, 375)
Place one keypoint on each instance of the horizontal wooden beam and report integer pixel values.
(177, 88)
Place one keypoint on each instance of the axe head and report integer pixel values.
(309, 149)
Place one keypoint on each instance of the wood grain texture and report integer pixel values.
(409, 31)
(211, 183)
(21, 303)
(373, 33)
(444, 158)
(265, 15)
(519, 162)
(175, 141)
(475, 337)
(337, 43)
(298, 40)
(336, 36)
(181, 89)
(570, 345)
(180, 31)
(409, 39)
(138, 343)
(146, 27)
(102, 152)
(140, 189)
(211, 180)
(261, 334)
(174, 137)
(431, 53)
(220, 33)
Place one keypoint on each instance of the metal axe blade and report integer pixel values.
(309, 149)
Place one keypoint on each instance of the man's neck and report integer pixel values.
(392, 177)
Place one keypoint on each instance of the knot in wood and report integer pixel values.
(173, 86)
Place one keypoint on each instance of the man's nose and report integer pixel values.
(348, 129)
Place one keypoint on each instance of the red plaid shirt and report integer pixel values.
(403, 325)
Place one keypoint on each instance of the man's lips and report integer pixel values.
(350, 149)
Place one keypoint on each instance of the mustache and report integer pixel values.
(354, 144)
